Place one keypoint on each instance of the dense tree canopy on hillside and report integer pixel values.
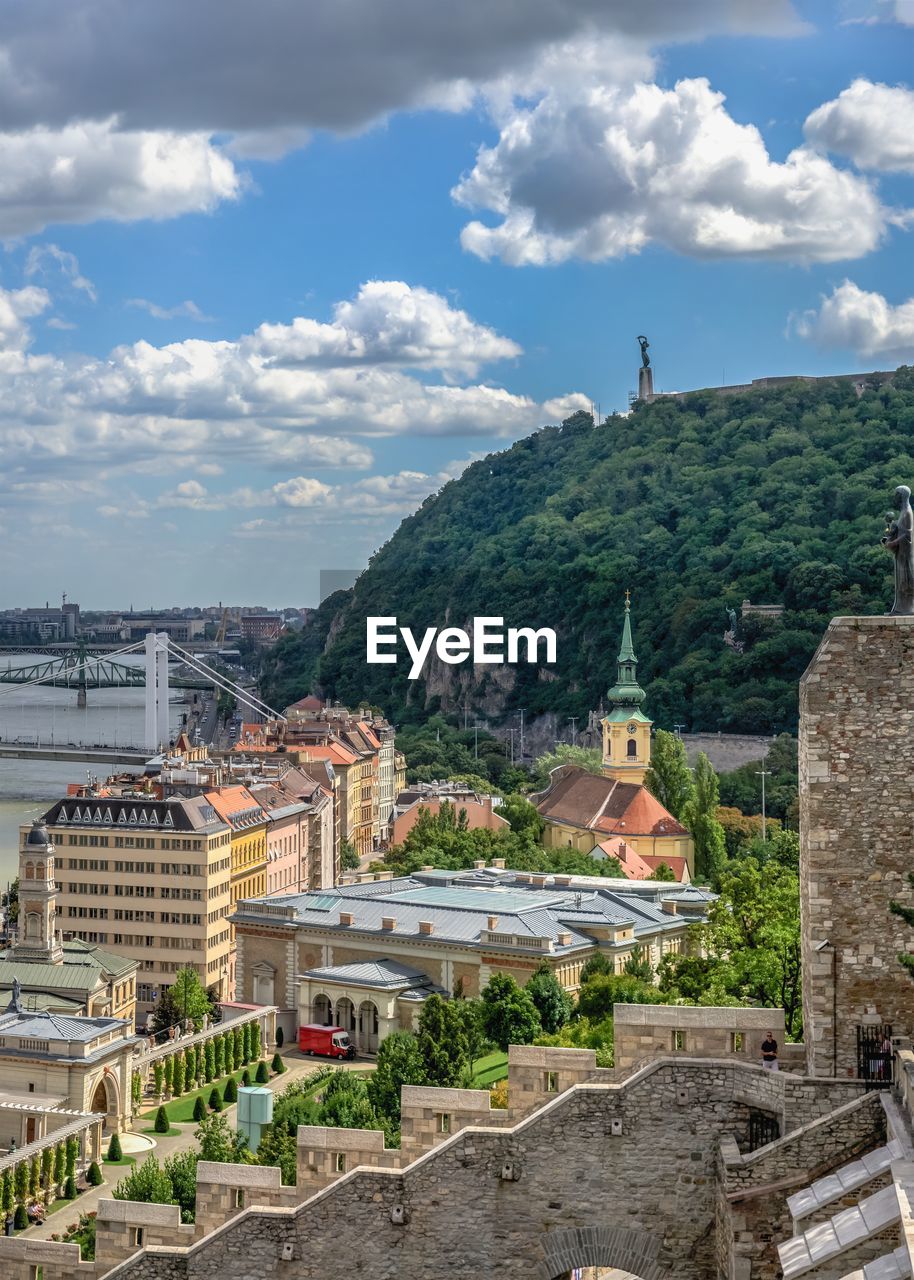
(773, 495)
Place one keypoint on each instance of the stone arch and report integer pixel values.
(345, 1014)
(625, 1248)
(105, 1100)
(368, 1026)
(322, 1010)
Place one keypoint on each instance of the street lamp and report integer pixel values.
(763, 774)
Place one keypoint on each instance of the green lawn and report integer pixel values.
(124, 1160)
(181, 1110)
(487, 1070)
(172, 1132)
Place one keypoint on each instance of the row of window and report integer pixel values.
(126, 842)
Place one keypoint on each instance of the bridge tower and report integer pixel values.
(157, 690)
(81, 658)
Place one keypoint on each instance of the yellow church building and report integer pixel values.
(584, 810)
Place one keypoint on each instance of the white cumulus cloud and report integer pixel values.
(598, 171)
(93, 169)
(872, 124)
(863, 321)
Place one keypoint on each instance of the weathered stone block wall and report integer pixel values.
(609, 1175)
(753, 1217)
(325, 1155)
(224, 1190)
(19, 1257)
(118, 1222)
(534, 1069)
(646, 1032)
(856, 800)
(429, 1116)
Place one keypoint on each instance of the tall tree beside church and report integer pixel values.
(699, 814)
(668, 777)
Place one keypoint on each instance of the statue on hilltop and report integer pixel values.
(899, 538)
(645, 358)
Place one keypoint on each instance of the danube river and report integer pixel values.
(114, 717)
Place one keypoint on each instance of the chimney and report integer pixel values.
(564, 939)
(426, 927)
(670, 907)
(499, 863)
(388, 922)
(345, 917)
(479, 864)
(562, 880)
(493, 922)
(427, 867)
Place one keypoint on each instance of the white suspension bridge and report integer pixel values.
(81, 672)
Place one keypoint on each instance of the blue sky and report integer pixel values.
(261, 296)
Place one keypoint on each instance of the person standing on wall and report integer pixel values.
(770, 1052)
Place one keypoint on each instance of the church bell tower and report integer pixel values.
(37, 937)
(626, 729)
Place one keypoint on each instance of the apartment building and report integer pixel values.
(248, 823)
(151, 880)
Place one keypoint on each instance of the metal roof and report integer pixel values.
(388, 974)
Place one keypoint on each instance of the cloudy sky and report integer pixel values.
(271, 273)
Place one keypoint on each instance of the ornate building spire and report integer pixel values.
(626, 729)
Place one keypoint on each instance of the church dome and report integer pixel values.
(38, 834)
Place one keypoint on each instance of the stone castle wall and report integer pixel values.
(856, 850)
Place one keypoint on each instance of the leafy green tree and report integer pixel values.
(189, 997)
(158, 1074)
(47, 1168)
(166, 1013)
(583, 757)
(147, 1182)
(218, 1056)
(524, 818)
(638, 966)
(7, 1193)
(552, 1002)
(35, 1178)
(215, 1099)
(199, 1108)
(22, 1180)
(209, 1061)
(596, 966)
(468, 1015)
(238, 1056)
(168, 1073)
(749, 948)
(245, 1079)
(349, 856)
(246, 1043)
(262, 1075)
(255, 1039)
(69, 1187)
(277, 1065)
(161, 1124)
(181, 1170)
(345, 1103)
(668, 777)
(699, 814)
(597, 997)
(230, 1092)
(399, 1062)
(72, 1153)
(94, 1175)
(217, 1141)
(177, 1075)
(663, 873)
(582, 1033)
(114, 1148)
(509, 1015)
(443, 1043)
(21, 1217)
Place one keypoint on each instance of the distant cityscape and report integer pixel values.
(227, 624)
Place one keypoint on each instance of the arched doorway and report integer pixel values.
(368, 1027)
(321, 1012)
(104, 1101)
(599, 1253)
(345, 1014)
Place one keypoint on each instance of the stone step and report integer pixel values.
(891, 1266)
(849, 1177)
(827, 1240)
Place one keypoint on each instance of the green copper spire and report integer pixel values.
(626, 695)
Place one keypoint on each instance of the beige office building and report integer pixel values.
(149, 879)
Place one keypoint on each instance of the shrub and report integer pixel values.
(114, 1148)
(230, 1093)
(94, 1175)
(199, 1108)
(262, 1075)
(246, 1078)
(280, 1038)
(277, 1064)
(20, 1218)
(215, 1100)
(161, 1122)
(69, 1188)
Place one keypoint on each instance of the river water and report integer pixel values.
(114, 717)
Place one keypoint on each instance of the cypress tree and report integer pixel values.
(161, 1121)
(114, 1148)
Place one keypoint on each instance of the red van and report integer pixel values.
(326, 1042)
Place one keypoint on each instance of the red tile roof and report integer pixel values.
(598, 803)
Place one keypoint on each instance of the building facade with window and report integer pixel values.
(151, 880)
(366, 956)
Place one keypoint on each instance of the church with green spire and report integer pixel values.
(626, 729)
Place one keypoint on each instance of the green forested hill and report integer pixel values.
(775, 495)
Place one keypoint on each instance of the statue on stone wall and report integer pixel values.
(645, 358)
(899, 538)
